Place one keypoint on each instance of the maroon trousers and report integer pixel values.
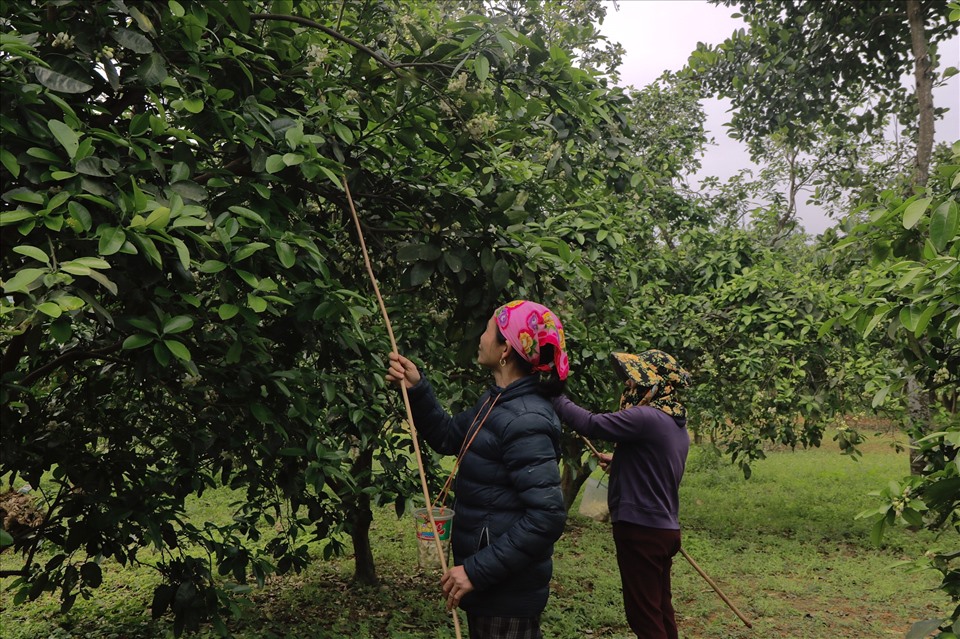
(645, 556)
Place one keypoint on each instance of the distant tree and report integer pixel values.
(835, 64)
(910, 289)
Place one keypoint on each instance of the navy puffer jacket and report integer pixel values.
(509, 506)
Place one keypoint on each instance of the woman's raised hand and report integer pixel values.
(401, 368)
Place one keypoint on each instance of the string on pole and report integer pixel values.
(406, 397)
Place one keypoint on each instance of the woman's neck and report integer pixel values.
(503, 376)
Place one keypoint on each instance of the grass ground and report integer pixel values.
(783, 545)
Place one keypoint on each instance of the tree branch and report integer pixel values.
(330, 32)
(70, 356)
(395, 67)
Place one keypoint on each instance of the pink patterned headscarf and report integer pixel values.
(527, 327)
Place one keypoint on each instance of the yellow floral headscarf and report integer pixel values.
(648, 369)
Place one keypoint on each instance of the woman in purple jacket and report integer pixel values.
(651, 440)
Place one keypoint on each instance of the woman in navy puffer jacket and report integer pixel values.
(509, 506)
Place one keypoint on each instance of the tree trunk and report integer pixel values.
(924, 80)
(918, 410)
(571, 478)
(365, 571)
(918, 400)
(359, 518)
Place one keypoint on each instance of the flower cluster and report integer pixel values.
(458, 84)
(63, 40)
(480, 125)
(316, 56)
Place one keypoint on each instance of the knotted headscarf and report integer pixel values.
(648, 369)
(528, 327)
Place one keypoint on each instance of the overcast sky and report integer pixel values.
(659, 35)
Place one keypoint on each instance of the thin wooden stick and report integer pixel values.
(596, 453)
(715, 587)
(406, 399)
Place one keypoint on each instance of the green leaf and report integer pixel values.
(420, 273)
(14, 217)
(275, 163)
(9, 161)
(915, 211)
(51, 309)
(112, 239)
(137, 340)
(246, 213)
(89, 262)
(153, 70)
(183, 253)
(104, 281)
(159, 218)
(66, 136)
(227, 311)
(130, 39)
(23, 279)
(150, 250)
(211, 266)
(91, 574)
(142, 21)
(500, 275)
(70, 302)
(61, 330)
(826, 327)
(80, 213)
(193, 104)
(287, 254)
(343, 132)
(876, 532)
(879, 397)
(240, 15)
(909, 317)
(943, 224)
(42, 154)
(25, 195)
(248, 250)
(256, 304)
(418, 252)
(144, 325)
(481, 67)
(6, 539)
(925, 318)
(59, 82)
(161, 353)
(177, 324)
(32, 251)
(179, 349)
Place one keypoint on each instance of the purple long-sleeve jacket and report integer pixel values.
(648, 464)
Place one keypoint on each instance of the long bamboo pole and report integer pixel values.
(715, 587)
(406, 398)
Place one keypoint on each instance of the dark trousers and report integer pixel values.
(504, 627)
(645, 556)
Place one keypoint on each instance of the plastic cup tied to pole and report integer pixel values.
(428, 533)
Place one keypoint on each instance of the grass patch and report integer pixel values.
(783, 545)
